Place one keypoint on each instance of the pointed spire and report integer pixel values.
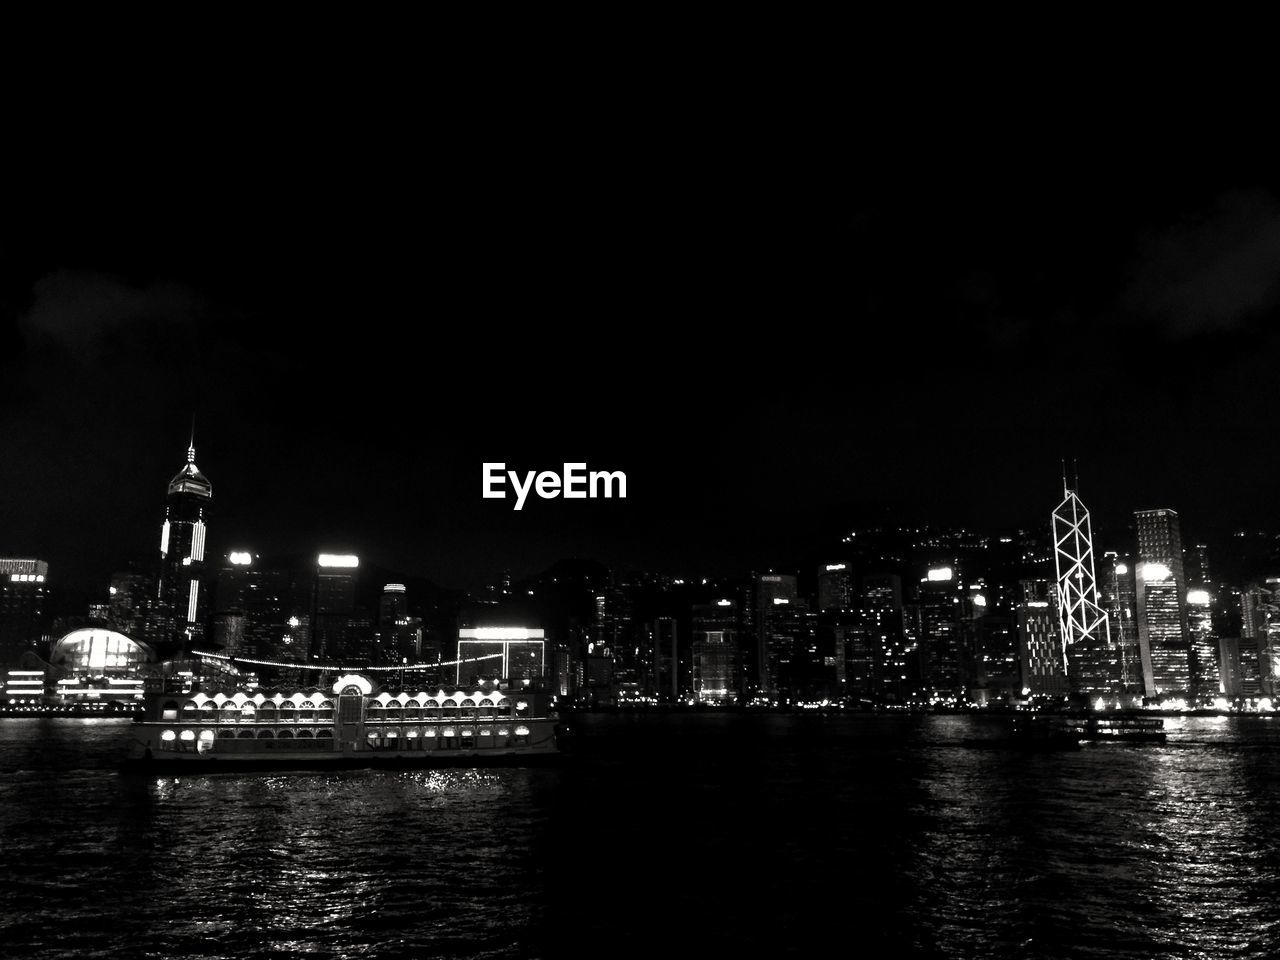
(191, 448)
(1066, 491)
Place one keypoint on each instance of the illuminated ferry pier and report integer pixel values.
(515, 655)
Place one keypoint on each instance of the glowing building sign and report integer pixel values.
(344, 560)
(1156, 571)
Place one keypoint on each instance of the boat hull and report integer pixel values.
(154, 765)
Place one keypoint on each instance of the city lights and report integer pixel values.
(338, 560)
(501, 633)
(1154, 572)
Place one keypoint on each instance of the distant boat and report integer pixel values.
(1123, 729)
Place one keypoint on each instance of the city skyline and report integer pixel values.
(992, 621)
(516, 514)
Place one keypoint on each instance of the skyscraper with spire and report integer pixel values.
(1086, 633)
(183, 584)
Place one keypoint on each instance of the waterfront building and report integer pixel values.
(794, 658)
(24, 588)
(515, 655)
(1260, 629)
(182, 589)
(990, 622)
(715, 652)
(1238, 673)
(98, 664)
(1119, 598)
(340, 627)
(1206, 673)
(1161, 595)
(1041, 657)
(663, 643)
(775, 593)
(894, 667)
(1092, 661)
(24, 688)
(936, 614)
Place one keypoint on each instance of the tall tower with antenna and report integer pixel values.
(183, 590)
(1089, 657)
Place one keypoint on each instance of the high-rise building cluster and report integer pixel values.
(892, 616)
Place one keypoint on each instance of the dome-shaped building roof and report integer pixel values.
(189, 479)
(99, 650)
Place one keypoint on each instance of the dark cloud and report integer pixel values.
(1213, 272)
(80, 309)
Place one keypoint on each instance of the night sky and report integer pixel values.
(776, 330)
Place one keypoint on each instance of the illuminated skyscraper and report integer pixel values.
(128, 597)
(935, 617)
(335, 631)
(894, 667)
(183, 590)
(1119, 598)
(1206, 682)
(1202, 635)
(794, 657)
(1161, 604)
(392, 605)
(399, 636)
(1086, 632)
(774, 645)
(23, 589)
(275, 601)
(715, 652)
(664, 648)
(1238, 667)
(1260, 640)
(1040, 642)
(835, 587)
(989, 618)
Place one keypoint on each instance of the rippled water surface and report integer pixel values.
(658, 836)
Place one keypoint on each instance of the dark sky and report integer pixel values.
(777, 322)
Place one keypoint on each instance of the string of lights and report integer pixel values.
(341, 669)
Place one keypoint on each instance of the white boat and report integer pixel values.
(350, 724)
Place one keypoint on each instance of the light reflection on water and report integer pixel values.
(769, 833)
(1117, 850)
